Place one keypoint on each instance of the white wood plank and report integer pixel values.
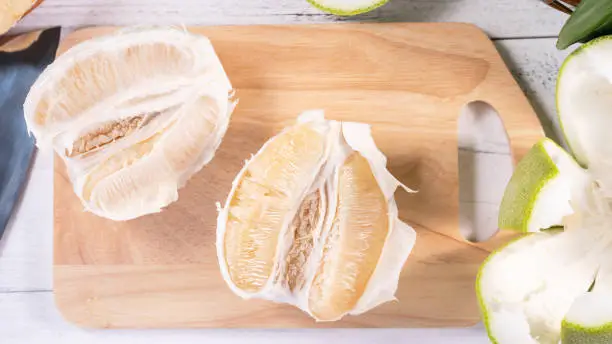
(499, 18)
(26, 248)
(33, 318)
(535, 63)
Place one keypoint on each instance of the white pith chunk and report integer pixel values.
(528, 287)
(594, 309)
(584, 99)
(553, 202)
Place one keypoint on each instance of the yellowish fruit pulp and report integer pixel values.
(12, 10)
(116, 163)
(263, 199)
(104, 74)
(186, 141)
(354, 244)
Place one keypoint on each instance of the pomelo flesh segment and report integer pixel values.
(263, 200)
(105, 74)
(12, 10)
(116, 163)
(355, 243)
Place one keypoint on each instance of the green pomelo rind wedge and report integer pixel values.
(321, 4)
(576, 334)
(589, 319)
(538, 193)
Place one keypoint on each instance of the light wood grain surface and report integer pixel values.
(27, 310)
(142, 273)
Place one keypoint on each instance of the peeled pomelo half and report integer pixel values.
(540, 191)
(133, 115)
(13, 10)
(311, 221)
(584, 101)
(347, 7)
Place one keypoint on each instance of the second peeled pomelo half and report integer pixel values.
(312, 221)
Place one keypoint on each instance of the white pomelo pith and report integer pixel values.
(526, 288)
(347, 7)
(589, 320)
(553, 287)
(539, 192)
(584, 101)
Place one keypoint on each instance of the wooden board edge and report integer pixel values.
(86, 306)
(63, 303)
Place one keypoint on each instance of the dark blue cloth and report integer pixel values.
(18, 71)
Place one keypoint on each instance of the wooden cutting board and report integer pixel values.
(410, 81)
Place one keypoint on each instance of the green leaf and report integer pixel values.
(591, 19)
(592, 285)
(553, 229)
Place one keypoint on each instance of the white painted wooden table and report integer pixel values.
(524, 32)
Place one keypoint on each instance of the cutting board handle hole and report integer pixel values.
(485, 167)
